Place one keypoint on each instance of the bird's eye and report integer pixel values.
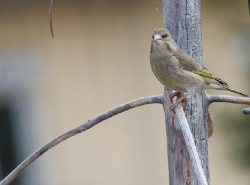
(153, 37)
(164, 36)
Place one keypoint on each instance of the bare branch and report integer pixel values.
(246, 110)
(188, 137)
(90, 123)
(228, 99)
(50, 17)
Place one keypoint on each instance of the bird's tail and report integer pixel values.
(236, 92)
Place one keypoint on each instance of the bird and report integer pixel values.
(177, 70)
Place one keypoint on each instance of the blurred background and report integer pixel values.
(98, 59)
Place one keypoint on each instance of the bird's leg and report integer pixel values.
(180, 98)
(175, 93)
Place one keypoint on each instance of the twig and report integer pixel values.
(246, 110)
(214, 143)
(50, 17)
(188, 137)
(228, 99)
(124, 107)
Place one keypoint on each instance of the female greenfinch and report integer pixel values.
(177, 70)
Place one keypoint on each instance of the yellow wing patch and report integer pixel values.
(203, 73)
(208, 74)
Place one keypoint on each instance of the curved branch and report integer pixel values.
(192, 150)
(228, 99)
(90, 123)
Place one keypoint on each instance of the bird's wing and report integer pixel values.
(186, 62)
(211, 77)
(189, 64)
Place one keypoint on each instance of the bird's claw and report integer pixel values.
(180, 98)
(177, 94)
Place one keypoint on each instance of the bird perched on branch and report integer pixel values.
(178, 71)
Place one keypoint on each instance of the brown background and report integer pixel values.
(99, 59)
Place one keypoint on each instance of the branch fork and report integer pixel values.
(196, 165)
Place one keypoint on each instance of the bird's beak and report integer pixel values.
(157, 39)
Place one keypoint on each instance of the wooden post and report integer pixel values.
(183, 20)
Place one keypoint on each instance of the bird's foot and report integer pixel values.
(175, 93)
(180, 98)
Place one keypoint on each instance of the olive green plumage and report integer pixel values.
(177, 70)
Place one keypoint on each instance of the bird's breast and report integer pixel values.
(168, 72)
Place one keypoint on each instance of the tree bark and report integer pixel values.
(183, 20)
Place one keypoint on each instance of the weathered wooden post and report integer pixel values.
(183, 20)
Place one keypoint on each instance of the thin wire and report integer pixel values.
(214, 143)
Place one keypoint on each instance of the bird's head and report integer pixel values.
(160, 35)
(161, 38)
